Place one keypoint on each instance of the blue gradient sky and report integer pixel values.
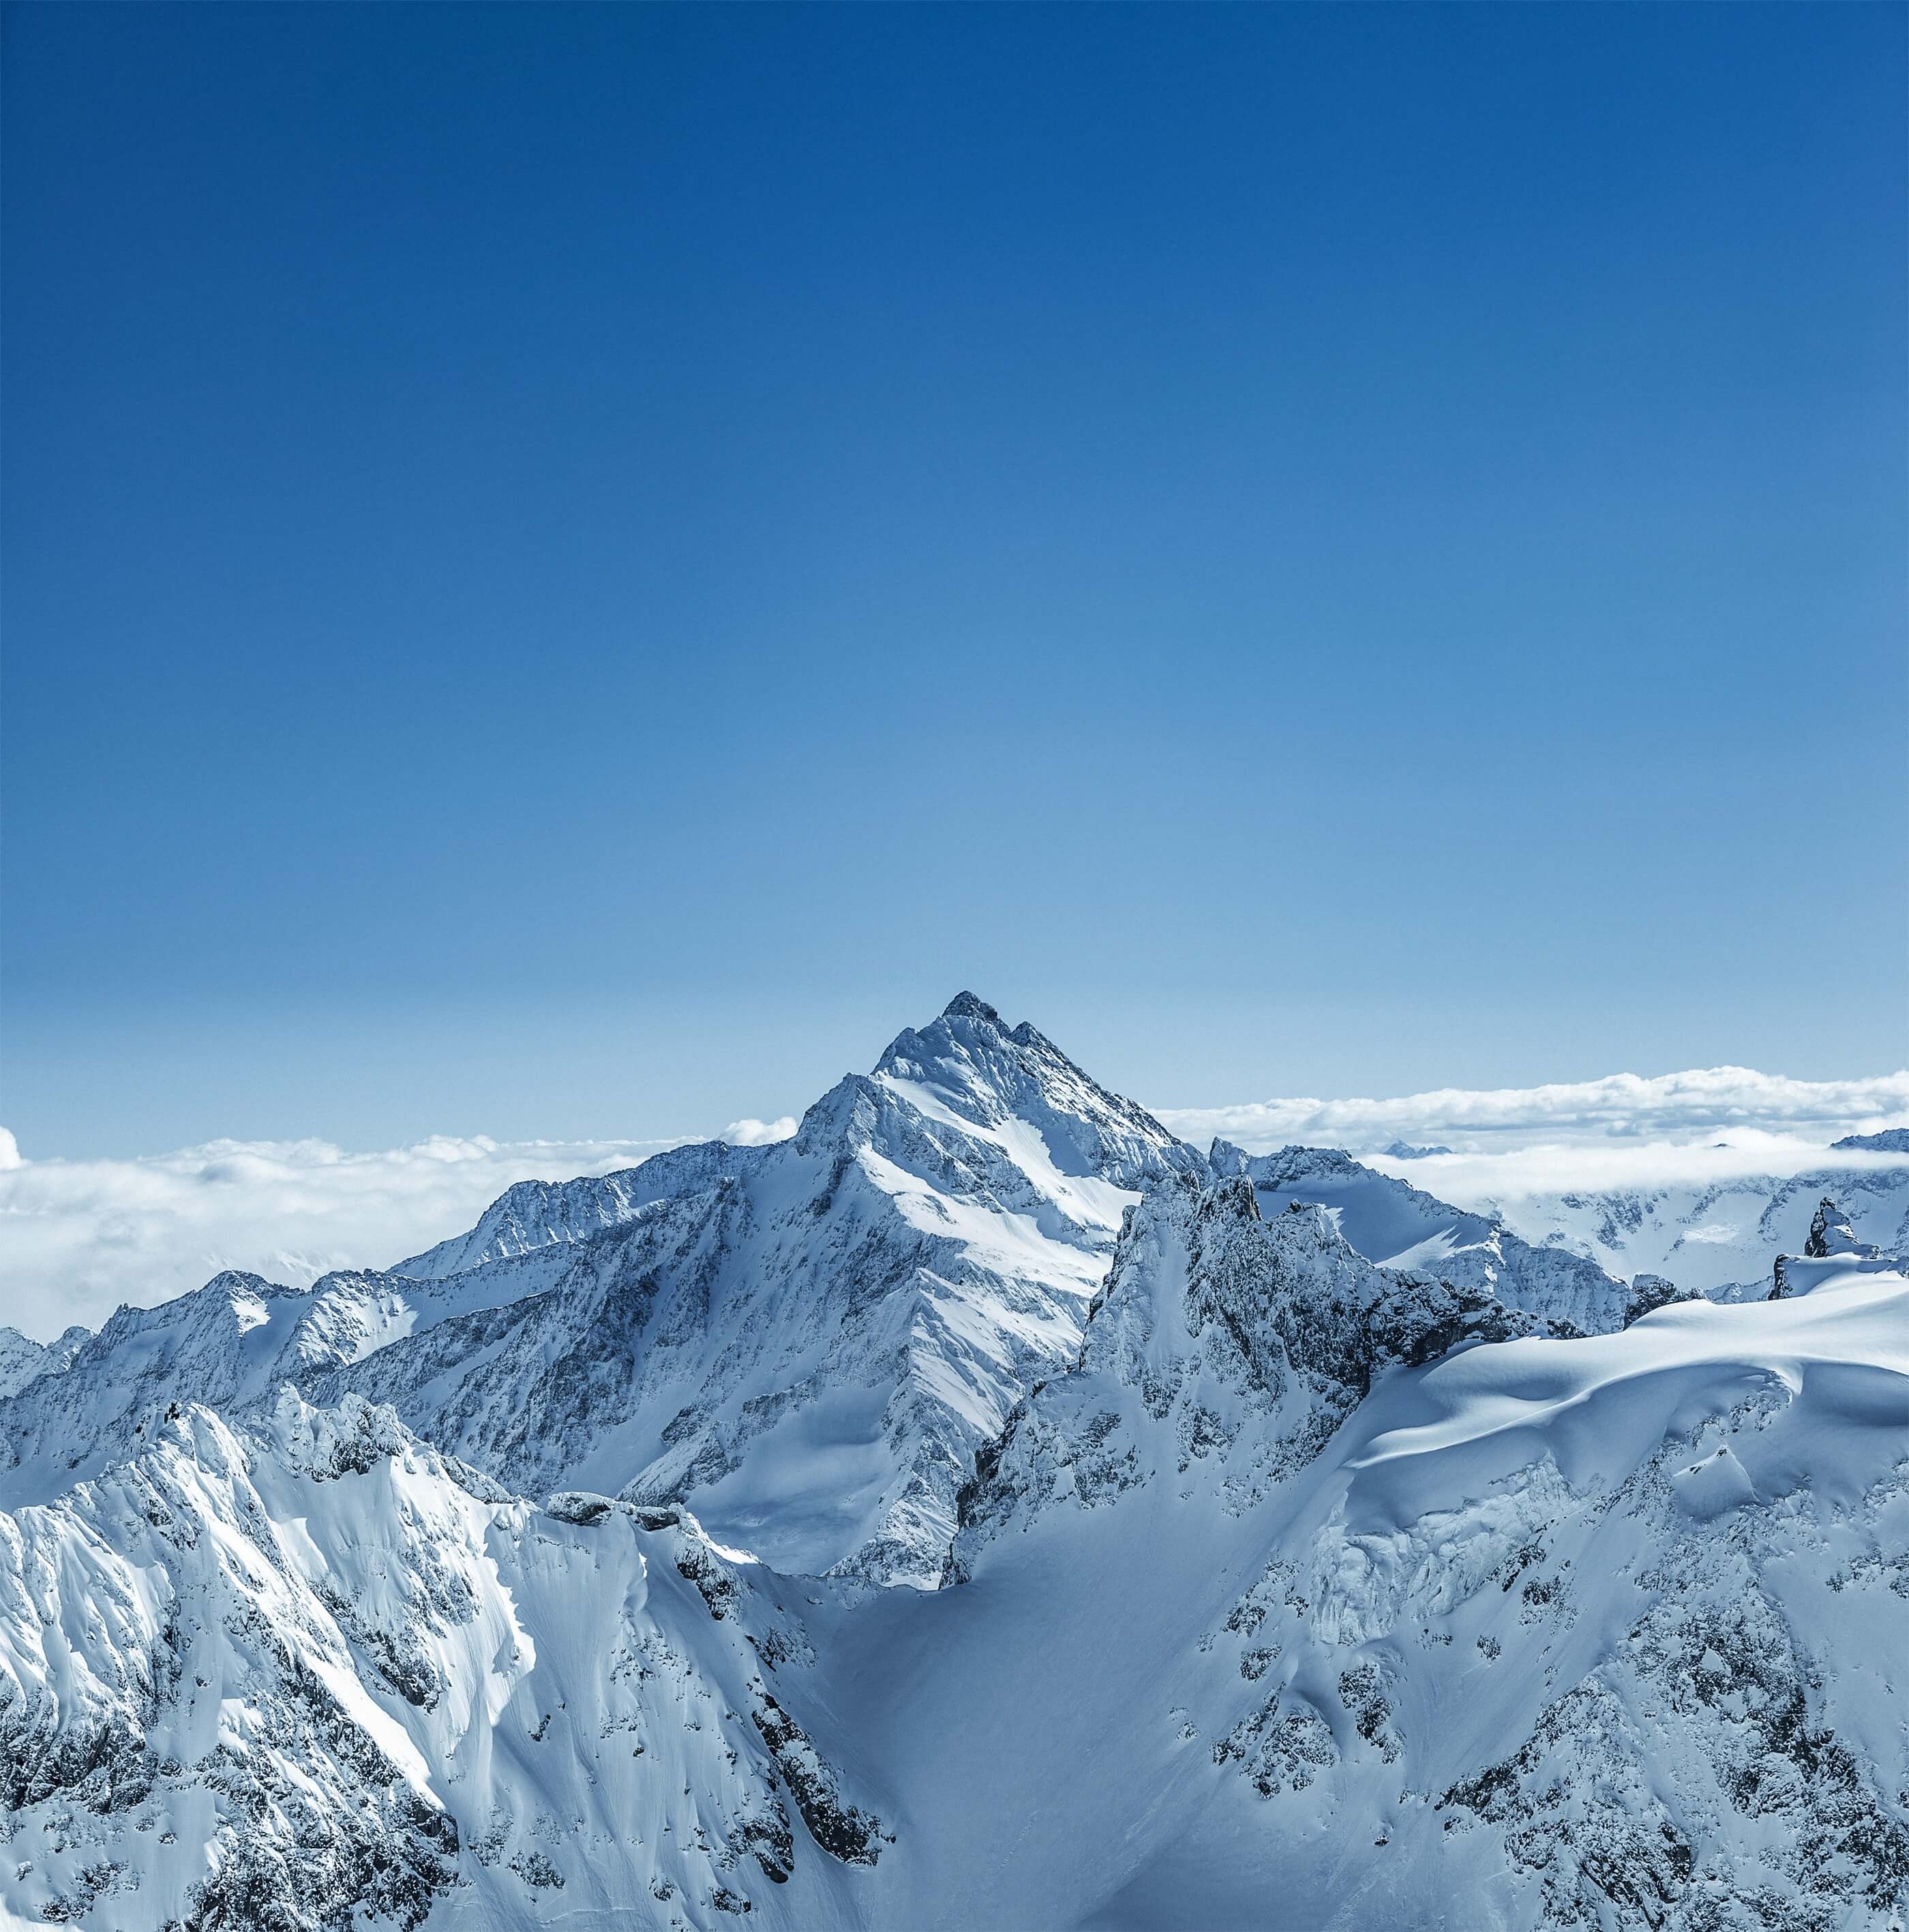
(568, 572)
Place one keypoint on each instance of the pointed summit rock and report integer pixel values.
(971, 1064)
(969, 1006)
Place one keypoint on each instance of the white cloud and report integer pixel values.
(1716, 1101)
(1524, 1145)
(746, 1133)
(78, 1238)
(1526, 1183)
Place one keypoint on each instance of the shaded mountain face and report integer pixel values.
(1270, 1541)
(21, 1358)
(1244, 1341)
(538, 1214)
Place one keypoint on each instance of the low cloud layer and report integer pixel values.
(1522, 1183)
(1717, 1101)
(78, 1238)
(1514, 1150)
(758, 1133)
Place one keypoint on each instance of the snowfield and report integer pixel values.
(980, 1510)
(1713, 1218)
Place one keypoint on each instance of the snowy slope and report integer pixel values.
(1605, 1632)
(313, 1666)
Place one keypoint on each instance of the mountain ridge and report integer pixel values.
(980, 1509)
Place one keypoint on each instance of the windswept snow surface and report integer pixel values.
(1267, 1542)
(1599, 1632)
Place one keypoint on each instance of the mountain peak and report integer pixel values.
(975, 1066)
(966, 1027)
(970, 1007)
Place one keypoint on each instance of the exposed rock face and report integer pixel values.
(1649, 1292)
(1831, 1249)
(1831, 1234)
(840, 1828)
(1222, 1339)
(1396, 1224)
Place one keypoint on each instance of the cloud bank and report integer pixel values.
(1526, 1184)
(78, 1238)
(1717, 1101)
(1514, 1151)
(747, 1132)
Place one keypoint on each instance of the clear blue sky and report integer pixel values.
(570, 571)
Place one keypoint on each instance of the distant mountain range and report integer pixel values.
(983, 1510)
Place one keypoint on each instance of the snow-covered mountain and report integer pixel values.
(808, 1341)
(21, 1358)
(280, 1675)
(1605, 1632)
(1890, 1140)
(229, 1345)
(1390, 1222)
(1268, 1543)
(1721, 1236)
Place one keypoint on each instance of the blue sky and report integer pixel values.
(568, 572)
